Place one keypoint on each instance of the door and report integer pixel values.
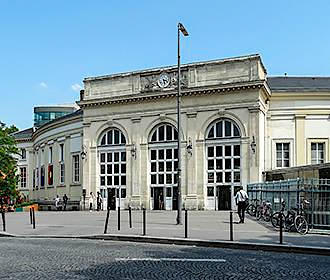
(224, 197)
(158, 198)
(112, 198)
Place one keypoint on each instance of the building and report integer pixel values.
(236, 124)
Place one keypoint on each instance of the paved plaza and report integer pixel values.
(205, 225)
(25, 259)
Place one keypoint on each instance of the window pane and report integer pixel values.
(123, 180)
(237, 150)
(237, 177)
(154, 137)
(103, 140)
(161, 166)
(153, 179)
(160, 178)
(236, 130)
(153, 167)
(123, 156)
(110, 137)
(218, 128)
(102, 169)
(109, 157)
(227, 151)
(219, 151)
(168, 192)
(279, 163)
(313, 146)
(210, 164)
(168, 178)
(161, 133)
(211, 133)
(116, 180)
(116, 169)
(219, 164)
(116, 134)
(153, 154)
(227, 177)
(116, 156)
(176, 153)
(102, 181)
(175, 166)
(160, 154)
(286, 163)
(109, 169)
(102, 157)
(210, 191)
(123, 168)
(227, 163)
(210, 151)
(109, 180)
(123, 140)
(286, 146)
(219, 177)
(169, 135)
(168, 166)
(168, 153)
(175, 134)
(210, 178)
(227, 128)
(237, 163)
(123, 192)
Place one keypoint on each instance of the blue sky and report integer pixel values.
(48, 47)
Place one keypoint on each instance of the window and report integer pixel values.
(62, 166)
(113, 137)
(42, 176)
(317, 153)
(23, 177)
(165, 132)
(282, 154)
(75, 169)
(50, 175)
(223, 128)
(50, 155)
(23, 153)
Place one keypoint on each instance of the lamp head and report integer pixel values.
(183, 29)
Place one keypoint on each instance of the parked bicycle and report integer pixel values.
(251, 209)
(300, 221)
(264, 211)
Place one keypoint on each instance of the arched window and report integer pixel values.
(164, 132)
(222, 129)
(223, 163)
(163, 159)
(112, 159)
(113, 137)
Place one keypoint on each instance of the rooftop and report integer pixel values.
(285, 83)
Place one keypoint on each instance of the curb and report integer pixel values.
(191, 242)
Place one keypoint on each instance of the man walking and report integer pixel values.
(241, 198)
(65, 201)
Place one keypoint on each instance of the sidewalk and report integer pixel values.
(202, 225)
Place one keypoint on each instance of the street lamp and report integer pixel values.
(179, 214)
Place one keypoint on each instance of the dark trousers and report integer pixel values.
(241, 210)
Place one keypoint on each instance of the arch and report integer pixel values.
(222, 128)
(153, 125)
(111, 136)
(212, 119)
(163, 132)
(110, 125)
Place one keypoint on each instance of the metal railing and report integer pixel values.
(293, 192)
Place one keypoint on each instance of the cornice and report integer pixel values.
(171, 94)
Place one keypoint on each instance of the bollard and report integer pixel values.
(106, 221)
(186, 223)
(33, 218)
(231, 226)
(118, 218)
(281, 228)
(3, 220)
(31, 215)
(144, 221)
(130, 216)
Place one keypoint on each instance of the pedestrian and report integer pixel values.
(91, 201)
(241, 199)
(57, 203)
(65, 201)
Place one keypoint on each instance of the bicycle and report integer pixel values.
(300, 221)
(287, 220)
(264, 211)
(251, 209)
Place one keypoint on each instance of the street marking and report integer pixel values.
(169, 260)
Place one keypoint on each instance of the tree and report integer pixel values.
(8, 167)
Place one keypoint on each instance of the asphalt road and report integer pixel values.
(86, 259)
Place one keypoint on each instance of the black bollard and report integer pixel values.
(186, 223)
(130, 216)
(31, 215)
(144, 221)
(3, 220)
(106, 221)
(33, 218)
(231, 226)
(281, 229)
(118, 218)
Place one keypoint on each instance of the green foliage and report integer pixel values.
(8, 168)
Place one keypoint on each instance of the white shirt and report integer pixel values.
(241, 196)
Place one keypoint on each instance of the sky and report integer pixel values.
(47, 48)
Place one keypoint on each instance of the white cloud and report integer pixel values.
(76, 87)
(43, 85)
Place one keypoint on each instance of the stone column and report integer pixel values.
(200, 174)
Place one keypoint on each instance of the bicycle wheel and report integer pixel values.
(258, 214)
(275, 219)
(268, 215)
(251, 210)
(301, 224)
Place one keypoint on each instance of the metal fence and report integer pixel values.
(293, 192)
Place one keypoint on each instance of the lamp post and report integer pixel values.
(179, 214)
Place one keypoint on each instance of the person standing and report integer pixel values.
(91, 201)
(65, 201)
(57, 203)
(241, 198)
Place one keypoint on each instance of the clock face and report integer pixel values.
(163, 80)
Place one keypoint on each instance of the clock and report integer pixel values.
(163, 80)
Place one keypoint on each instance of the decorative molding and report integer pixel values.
(152, 82)
(136, 119)
(191, 114)
(162, 116)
